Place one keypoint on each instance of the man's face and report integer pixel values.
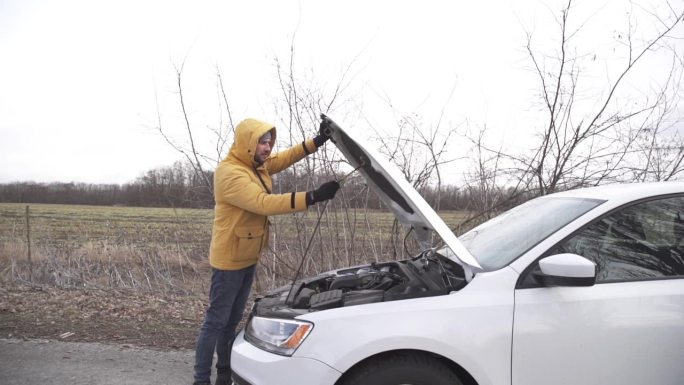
(263, 150)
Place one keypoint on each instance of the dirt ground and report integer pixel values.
(121, 317)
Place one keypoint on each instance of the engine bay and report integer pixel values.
(428, 274)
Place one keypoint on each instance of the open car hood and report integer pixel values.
(405, 202)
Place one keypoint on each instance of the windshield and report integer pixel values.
(503, 239)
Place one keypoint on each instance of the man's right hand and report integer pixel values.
(326, 191)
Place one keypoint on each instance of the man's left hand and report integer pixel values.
(324, 131)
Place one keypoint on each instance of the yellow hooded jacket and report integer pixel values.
(243, 199)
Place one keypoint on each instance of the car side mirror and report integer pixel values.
(566, 270)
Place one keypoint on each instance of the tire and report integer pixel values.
(402, 369)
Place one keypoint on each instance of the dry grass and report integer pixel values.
(165, 250)
(105, 247)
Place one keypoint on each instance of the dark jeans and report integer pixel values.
(227, 298)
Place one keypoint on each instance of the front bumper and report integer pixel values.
(254, 366)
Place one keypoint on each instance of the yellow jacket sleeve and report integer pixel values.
(287, 158)
(239, 190)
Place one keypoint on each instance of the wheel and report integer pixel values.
(402, 369)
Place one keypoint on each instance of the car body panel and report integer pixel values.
(463, 326)
(611, 333)
(261, 367)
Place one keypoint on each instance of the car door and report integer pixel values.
(628, 328)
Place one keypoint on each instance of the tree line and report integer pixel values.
(179, 186)
(172, 186)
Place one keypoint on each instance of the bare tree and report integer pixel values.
(302, 100)
(581, 146)
(201, 162)
(659, 156)
(590, 134)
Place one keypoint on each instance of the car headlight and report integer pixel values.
(278, 336)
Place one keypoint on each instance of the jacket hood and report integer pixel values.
(247, 135)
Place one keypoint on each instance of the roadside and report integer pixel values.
(57, 363)
(108, 316)
(96, 337)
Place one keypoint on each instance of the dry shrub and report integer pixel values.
(101, 265)
(162, 251)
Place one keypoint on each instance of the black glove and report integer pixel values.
(323, 133)
(323, 193)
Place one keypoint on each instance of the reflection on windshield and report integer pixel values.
(501, 240)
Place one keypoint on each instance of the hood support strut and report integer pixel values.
(290, 297)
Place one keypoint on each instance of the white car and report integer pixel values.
(580, 287)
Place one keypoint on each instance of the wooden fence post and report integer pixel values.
(28, 242)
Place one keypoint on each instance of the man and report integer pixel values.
(242, 190)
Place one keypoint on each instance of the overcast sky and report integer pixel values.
(80, 81)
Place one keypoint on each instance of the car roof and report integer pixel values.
(625, 191)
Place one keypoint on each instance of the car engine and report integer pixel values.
(428, 274)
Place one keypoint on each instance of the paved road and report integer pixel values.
(72, 363)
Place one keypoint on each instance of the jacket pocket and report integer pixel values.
(249, 241)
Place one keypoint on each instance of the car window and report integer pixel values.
(501, 240)
(642, 241)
